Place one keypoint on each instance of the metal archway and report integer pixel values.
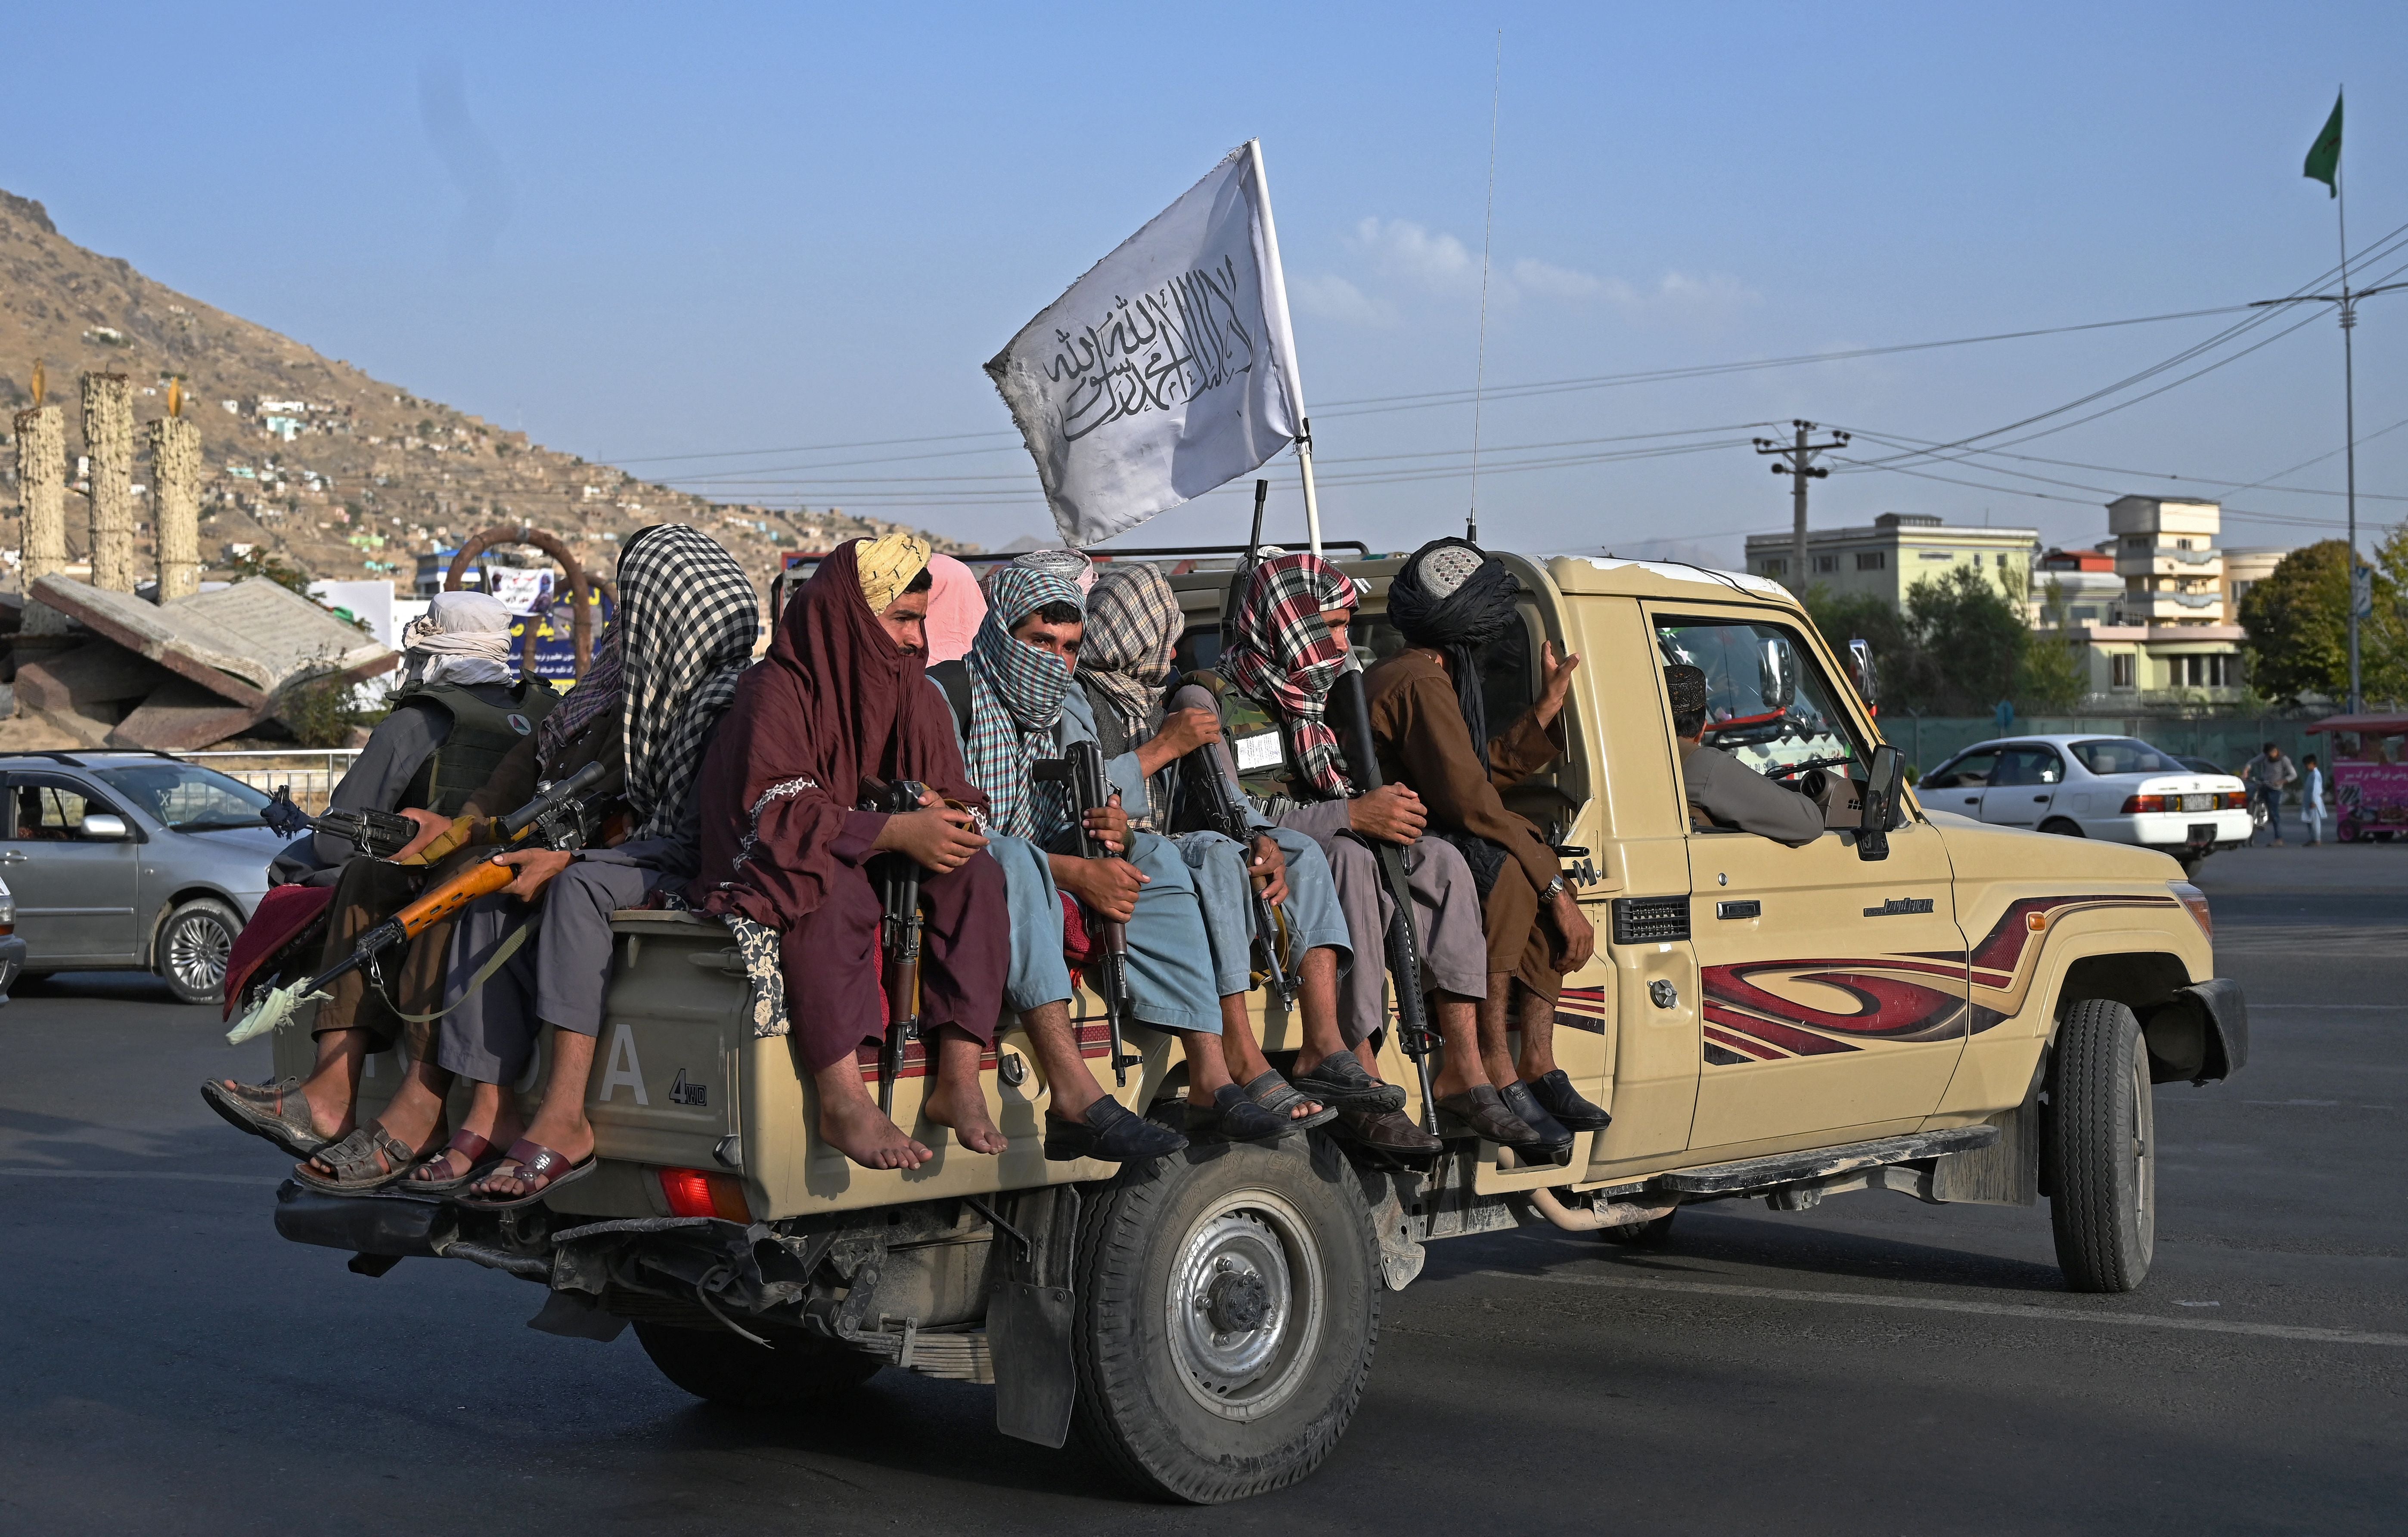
(580, 629)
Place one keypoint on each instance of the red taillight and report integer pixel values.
(693, 1193)
(8, 929)
(2234, 800)
(2195, 899)
(2134, 805)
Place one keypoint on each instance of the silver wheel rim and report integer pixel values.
(2143, 1129)
(197, 949)
(1247, 1306)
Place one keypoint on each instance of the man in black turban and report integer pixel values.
(1429, 725)
(1724, 792)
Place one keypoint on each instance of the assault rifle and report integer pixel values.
(379, 835)
(1222, 814)
(554, 819)
(899, 933)
(1352, 716)
(1081, 769)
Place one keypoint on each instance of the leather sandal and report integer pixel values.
(1234, 1118)
(278, 1111)
(1479, 1112)
(368, 1159)
(1339, 1081)
(1558, 1098)
(1389, 1131)
(529, 1160)
(1549, 1142)
(1110, 1133)
(1282, 1097)
(481, 1155)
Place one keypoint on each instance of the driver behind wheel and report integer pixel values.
(1723, 792)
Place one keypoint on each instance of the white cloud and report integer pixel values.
(1549, 281)
(1336, 299)
(1399, 247)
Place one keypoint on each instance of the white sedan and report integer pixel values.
(2117, 788)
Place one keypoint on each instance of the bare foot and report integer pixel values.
(961, 1107)
(857, 1129)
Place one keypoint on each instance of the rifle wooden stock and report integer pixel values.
(1352, 716)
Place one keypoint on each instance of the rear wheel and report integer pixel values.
(795, 1370)
(193, 945)
(1228, 1304)
(2063, 827)
(2101, 1148)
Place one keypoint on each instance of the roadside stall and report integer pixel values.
(2369, 770)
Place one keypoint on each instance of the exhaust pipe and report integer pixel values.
(1600, 1215)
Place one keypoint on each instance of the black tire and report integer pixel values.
(193, 945)
(2063, 827)
(795, 1370)
(2101, 1149)
(1654, 1234)
(1272, 1243)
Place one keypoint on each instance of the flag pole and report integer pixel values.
(2349, 419)
(1285, 343)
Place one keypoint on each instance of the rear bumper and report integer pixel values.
(2160, 829)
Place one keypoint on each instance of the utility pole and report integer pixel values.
(1800, 468)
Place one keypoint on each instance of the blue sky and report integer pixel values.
(642, 232)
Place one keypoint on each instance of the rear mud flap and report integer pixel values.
(1029, 1316)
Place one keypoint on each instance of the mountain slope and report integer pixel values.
(309, 458)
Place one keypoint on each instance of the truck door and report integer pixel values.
(1834, 988)
(74, 894)
(2022, 788)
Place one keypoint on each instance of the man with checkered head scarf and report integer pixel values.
(683, 629)
(1016, 704)
(1455, 605)
(1151, 745)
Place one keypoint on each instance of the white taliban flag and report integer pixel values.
(1168, 369)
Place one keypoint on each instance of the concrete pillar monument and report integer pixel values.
(176, 504)
(41, 488)
(108, 439)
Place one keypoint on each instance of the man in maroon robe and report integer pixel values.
(842, 702)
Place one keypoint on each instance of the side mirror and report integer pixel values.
(1860, 662)
(1779, 669)
(1887, 775)
(103, 828)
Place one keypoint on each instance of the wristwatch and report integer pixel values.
(1555, 889)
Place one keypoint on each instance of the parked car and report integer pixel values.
(132, 861)
(2117, 788)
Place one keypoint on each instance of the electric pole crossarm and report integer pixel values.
(1800, 468)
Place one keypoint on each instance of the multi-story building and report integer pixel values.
(2243, 571)
(2153, 606)
(1900, 550)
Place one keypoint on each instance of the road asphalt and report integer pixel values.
(1873, 1366)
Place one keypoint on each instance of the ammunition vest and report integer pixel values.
(481, 736)
(1254, 741)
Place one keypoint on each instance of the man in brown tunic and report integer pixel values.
(1430, 726)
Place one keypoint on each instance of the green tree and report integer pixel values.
(2055, 675)
(1973, 637)
(2297, 620)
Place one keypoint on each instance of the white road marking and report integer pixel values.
(1992, 1310)
(260, 1180)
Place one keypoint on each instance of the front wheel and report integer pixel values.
(193, 946)
(2101, 1148)
(1228, 1304)
(795, 1370)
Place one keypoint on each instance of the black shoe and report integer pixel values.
(1234, 1116)
(1558, 1098)
(1389, 1131)
(1479, 1112)
(1111, 1133)
(1549, 1142)
(1339, 1081)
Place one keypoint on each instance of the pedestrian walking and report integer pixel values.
(2267, 776)
(2311, 798)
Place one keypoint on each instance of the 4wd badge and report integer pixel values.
(697, 1096)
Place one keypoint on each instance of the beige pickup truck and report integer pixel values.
(1913, 1002)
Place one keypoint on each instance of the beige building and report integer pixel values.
(2155, 605)
(1898, 551)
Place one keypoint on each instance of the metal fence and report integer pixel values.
(312, 773)
(2227, 740)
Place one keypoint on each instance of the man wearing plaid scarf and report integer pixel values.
(1022, 709)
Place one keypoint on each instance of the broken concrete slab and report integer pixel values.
(243, 644)
(100, 672)
(183, 717)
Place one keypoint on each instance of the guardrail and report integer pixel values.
(312, 773)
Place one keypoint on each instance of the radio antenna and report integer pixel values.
(1487, 235)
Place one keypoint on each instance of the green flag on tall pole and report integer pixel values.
(2324, 157)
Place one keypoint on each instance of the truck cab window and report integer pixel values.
(1769, 704)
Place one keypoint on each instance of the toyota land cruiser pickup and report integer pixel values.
(1913, 1002)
